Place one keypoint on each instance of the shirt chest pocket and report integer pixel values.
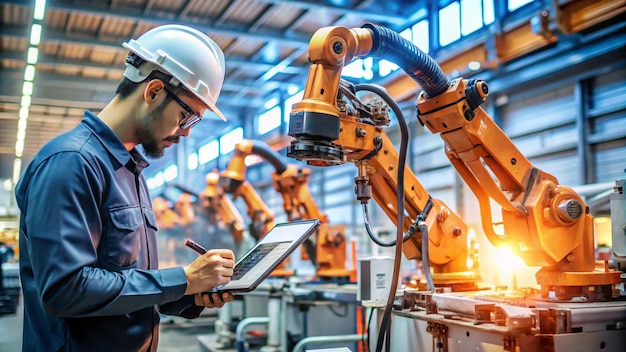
(124, 237)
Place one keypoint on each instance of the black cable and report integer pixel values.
(340, 315)
(369, 323)
(404, 137)
(425, 258)
(388, 339)
(370, 233)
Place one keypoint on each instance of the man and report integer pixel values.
(88, 260)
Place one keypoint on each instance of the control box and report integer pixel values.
(374, 278)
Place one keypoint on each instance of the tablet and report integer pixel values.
(259, 262)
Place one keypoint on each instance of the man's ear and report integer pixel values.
(152, 90)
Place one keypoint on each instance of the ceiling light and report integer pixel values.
(23, 113)
(40, 9)
(474, 65)
(192, 161)
(21, 124)
(19, 148)
(293, 89)
(17, 169)
(29, 73)
(270, 103)
(273, 71)
(159, 179)
(27, 89)
(35, 34)
(32, 56)
(25, 101)
(21, 135)
(170, 173)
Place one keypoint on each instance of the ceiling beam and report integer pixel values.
(55, 102)
(104, 84)
(62, 38)
(378, 16)
(137, 15)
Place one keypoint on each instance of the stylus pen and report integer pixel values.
(196, 247)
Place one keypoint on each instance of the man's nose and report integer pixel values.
(185, 132)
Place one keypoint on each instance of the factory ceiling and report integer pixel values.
(81, 59)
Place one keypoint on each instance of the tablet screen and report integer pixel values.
(266, 255)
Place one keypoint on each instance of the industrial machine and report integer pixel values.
(331, 131)
(219, 208)
(546, 223)
(184, 207)
(329, 250)
(166, 217)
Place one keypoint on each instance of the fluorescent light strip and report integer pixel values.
(23, 113)
(17, 169)
(40, 9)
(25, 101)
(21, 124)
(32, 56)
(29, 73)
(35, 34)
(21, 135)
(19, 148)
(27, 89)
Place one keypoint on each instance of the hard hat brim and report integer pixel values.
(214, 109)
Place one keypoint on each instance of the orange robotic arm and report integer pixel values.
(220, 208)
(330, 247)
(291, 182)
(548, 224)
(166, 217)
(233, 181)
(330, 132)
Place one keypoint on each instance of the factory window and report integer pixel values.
(489, 13)
(296, 98)
(192, 161)
(420, 35)
(170, 173)
(151, 184)
(269, 120)
(462, 18)
(155, 181)
(471, 16)
(386, 67)
(230, 139)
(449, 24)
(208, 152)
(516, 4)
(360, 68)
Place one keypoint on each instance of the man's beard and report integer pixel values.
(151, 122)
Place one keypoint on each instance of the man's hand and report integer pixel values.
(209, 270)
(213, 299)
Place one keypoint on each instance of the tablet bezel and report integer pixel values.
(297, 241)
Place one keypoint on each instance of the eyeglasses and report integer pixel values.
(190, 117)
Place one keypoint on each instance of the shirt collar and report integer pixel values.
(111, 142)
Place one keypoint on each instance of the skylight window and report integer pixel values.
(230, 139)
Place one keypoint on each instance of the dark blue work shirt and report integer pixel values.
(88, 260)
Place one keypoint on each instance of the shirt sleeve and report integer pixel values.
(64, 227)
(184, 307)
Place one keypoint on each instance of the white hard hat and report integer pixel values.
(192, 58)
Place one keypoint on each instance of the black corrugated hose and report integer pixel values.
(269, 154)
(389, 45)
(426, 72)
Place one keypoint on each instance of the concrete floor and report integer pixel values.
(177, 334)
